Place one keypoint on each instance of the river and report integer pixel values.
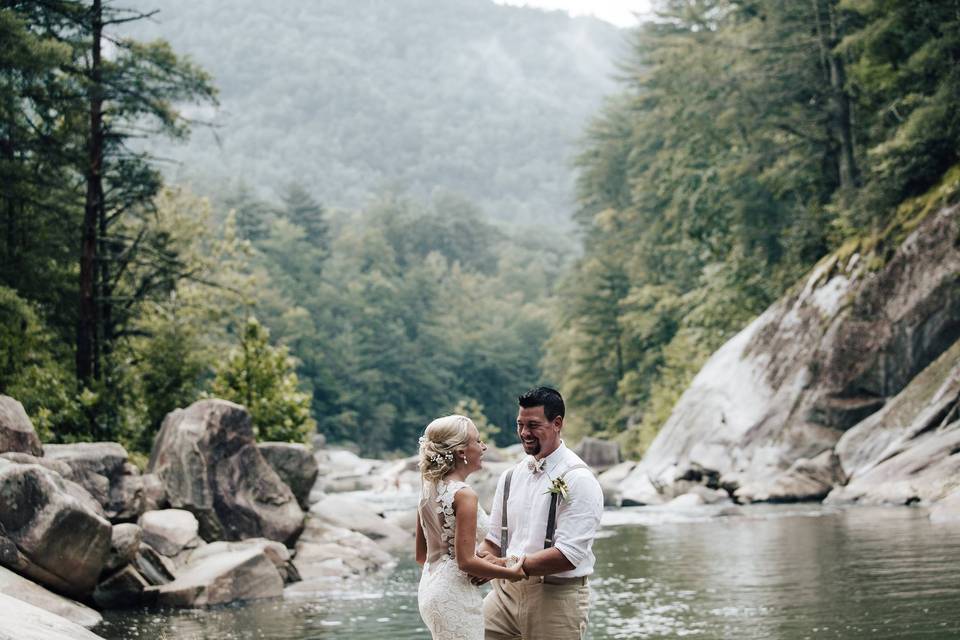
(772, 572)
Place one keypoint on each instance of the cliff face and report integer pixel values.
(818, 364)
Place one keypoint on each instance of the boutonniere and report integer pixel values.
(559, 488)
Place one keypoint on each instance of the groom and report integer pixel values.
(547, 509)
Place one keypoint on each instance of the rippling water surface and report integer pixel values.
(787, 573)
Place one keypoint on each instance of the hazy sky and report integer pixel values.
(619, 12)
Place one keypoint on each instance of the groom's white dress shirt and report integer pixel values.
(528, 506)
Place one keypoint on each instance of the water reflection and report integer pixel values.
(767, 572)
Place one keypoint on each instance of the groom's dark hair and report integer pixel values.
(549, 399)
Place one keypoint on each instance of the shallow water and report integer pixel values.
(787, 573)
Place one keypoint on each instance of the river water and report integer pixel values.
(770, 572)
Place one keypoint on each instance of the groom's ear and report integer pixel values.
(558, 422)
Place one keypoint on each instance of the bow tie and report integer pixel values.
(536, 466)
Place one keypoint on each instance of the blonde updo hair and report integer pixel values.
(438, 444)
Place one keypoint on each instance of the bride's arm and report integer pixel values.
(465, 511)
(421, 542)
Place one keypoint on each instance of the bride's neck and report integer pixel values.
(456, 475)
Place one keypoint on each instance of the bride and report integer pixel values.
(449, 525)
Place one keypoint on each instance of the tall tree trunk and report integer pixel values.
(841, 112)
(88, 365)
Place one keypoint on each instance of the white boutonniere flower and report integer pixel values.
(559, 487)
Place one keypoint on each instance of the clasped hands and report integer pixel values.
(513, 562)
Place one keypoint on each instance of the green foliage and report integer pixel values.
(749, 140)
(262, 378)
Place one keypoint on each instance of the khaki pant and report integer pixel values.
(531, 610)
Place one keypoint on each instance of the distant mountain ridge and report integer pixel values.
(351, 97)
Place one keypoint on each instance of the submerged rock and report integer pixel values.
(820, 360)
(23, 621)
(207, 459)
(16, 431)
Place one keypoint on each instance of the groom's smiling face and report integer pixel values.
(540, 437)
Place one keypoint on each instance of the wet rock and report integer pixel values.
(170, 531)
(125, 541)
(247, 574)
(16, 430)
(48, 535)
(123, 588)
(599, 454)
(207, 459)
(295, 465)
(340, 511)
(20, 588)
(805, 481)
(24, 621)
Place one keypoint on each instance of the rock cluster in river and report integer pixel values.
(846, 389)
(212, 522)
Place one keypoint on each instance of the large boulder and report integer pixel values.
(599, 454)
(123, 588)
(103, 469)
(20, 588)
(221, 578)
(47, 534)
(20, 620)
(820, 360)
(295, 465)
(207, 459)
(16, 430)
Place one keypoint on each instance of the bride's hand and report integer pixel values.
(516, 566)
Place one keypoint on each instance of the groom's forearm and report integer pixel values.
(546, 562)
(488, 548)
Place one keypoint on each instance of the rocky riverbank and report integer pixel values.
(215, 518)
(846, 390)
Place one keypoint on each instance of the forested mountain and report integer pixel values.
(349, 97)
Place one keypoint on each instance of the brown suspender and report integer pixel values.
(551, 518)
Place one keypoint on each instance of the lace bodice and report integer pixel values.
(439, 521)
(449, 604)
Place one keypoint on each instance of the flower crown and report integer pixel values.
(437, 458)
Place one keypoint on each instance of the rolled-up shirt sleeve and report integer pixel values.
(578, 517)
(496, 512)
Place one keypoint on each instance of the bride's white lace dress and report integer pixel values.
(450, 605)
